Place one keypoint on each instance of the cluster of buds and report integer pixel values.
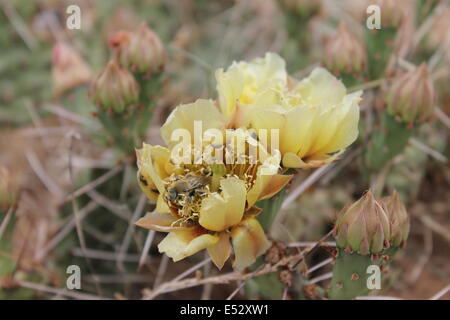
(8, 189)
(411, 96)
(369, 226)
(115, 88)
(143, 52)
(367, 233)
(344, 53)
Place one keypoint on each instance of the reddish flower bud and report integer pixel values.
(363, 227)
(144, 52)
(398, 219)
(115, 88)
(344, 52)
(411, 95)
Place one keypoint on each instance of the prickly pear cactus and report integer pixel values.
(350, 274)
(387, 142)
(368, 234)
(379, 49)
(271, 208)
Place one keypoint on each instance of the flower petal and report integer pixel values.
(154, 165)
(249, 242)
(184, 115)
(277, 182)
(347, 117)
(229, 85)
(161, 205)
(291, 160)
(254, 83)
(221, 211)
(297, 133)
(180, 244)
(220, 252)
(321, 88)
(157, 221)
(294, 125)
(264, 176)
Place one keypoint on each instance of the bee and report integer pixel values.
(189, 186)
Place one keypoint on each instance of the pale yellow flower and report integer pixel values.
(249, 84)
(316, 120)
(207, 206)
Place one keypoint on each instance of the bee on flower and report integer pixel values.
(206, 189)
(209, 204)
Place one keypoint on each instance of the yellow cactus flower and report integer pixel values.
(316, 120)
(254, 83)
(208, 204)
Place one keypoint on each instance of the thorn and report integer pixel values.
(375, 257)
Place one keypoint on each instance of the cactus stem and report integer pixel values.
(350, 275)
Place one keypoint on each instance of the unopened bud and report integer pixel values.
(411, 95)
(344, 52)
(115, 88)
(363, 227)
(398, 219)
(144, 52)
(68, 69)
(9, 191)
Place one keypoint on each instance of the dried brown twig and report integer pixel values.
(292, 260)
(221, 279)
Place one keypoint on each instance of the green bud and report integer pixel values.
(344, 53)
(144, 52)
(363, 227)
(398, 219)
(115, 88)
(411, 96)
